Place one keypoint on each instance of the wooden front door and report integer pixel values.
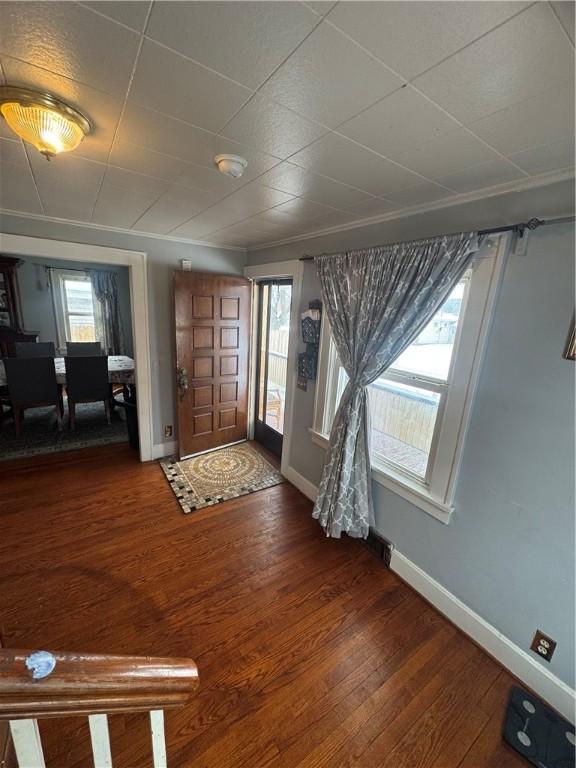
(212, 352)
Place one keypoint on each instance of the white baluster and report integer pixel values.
(100, 741)
(158, 740)
(27, 743)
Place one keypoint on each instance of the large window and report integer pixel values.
(419, 407)
(76, 307)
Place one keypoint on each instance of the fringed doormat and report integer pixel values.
(218, 476)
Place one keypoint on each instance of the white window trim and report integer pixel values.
(437, 496)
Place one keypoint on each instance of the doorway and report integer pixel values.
(21, 245)
(274, 297)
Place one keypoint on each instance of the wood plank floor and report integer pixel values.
(310, 652)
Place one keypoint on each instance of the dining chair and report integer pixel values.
(87, 382)
(83, 348)
(35, 349)
(32, 384)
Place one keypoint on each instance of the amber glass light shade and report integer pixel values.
(48, 124)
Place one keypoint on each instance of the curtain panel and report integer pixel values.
(105, 287)
(377, 301)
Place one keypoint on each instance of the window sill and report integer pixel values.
(403, 486)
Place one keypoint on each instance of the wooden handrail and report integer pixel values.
(82, 683)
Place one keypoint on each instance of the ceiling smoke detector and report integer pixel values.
(231, 165)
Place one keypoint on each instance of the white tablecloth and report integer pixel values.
(120, 370)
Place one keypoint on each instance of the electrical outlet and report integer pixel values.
(168, 430)
(543, 645)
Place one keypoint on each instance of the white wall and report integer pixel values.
(508, 552)
(163, 258)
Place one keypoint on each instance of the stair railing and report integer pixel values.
(41, 684)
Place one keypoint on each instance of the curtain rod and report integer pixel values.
(519, 229)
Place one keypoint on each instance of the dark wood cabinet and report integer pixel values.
(11, 329)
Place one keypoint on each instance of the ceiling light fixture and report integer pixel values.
(42, 120)
(231, 165)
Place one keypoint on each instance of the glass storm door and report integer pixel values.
(274, 298)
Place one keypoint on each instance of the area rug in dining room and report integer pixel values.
(219, 475)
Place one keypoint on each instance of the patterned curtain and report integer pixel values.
(377, 301)
(105, 287)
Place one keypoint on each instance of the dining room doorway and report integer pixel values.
(22, 246)
(274, 296)
(65, 313)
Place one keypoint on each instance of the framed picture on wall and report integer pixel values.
(570, 351)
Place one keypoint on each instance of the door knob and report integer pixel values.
(182, 381)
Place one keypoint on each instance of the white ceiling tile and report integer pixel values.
(17, 190)
(446, 153)
(426, 192)
(375, 206)
(100, 108)
(402, 120)
(279, 218)
(269, 126)
(332, 219)
(127, 155)
(169, 83)
(514, 62)
(543, 119)
(6, 132)
(321, 7)
(329, 78)
(303, 210)
(125, 196)
(244, 40)
(69, 40)
(341, 159)
(12, 151)
(68, 184)
(410, 37)
(176, 206)
(550, 157)
(132, 13)
(165, 134)
(485, 175)
(395, 148)
(115, 209)
(251, 199)
(210, 179)
(198, 227)
(311, 186)
(120, 178)
(564, 10)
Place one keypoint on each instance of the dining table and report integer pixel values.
(120, 370)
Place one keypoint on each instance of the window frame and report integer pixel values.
(435, 493)
(61, 305)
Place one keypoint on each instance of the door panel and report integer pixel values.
(212, 351)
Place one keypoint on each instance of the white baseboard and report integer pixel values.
(543, 682)
(159, 450)
(303, 485)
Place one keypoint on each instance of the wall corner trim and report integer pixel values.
(159, 450)
(543, 682)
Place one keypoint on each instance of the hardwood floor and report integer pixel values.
(310, 652)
